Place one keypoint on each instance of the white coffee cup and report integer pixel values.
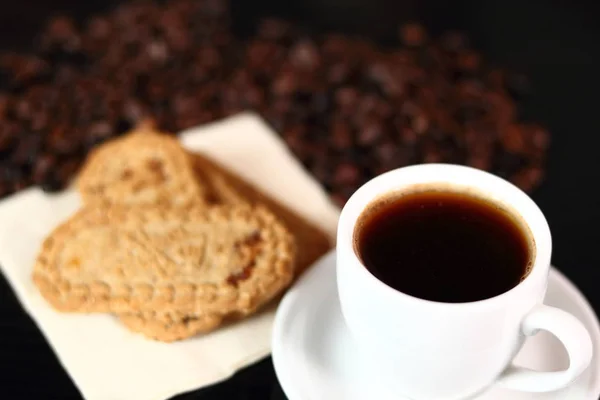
(426, 350)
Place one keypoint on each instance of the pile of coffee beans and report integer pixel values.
(349, 109)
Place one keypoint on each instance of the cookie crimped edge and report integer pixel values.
(143, 133)
(170, 327)
(175, 325)
(219, 298)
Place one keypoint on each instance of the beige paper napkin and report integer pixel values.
(106, 361)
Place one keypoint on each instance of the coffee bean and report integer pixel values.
(346, 174)
(61, 141)
(98, 132)
(469, 61)
(341, 135)
(420, 124)
(321, 102)
(7, 138)
(413, 35)
(294, 137)
(539, 138)
(122, 125)
(469, 112)
(370, 133)
(61, 29)
(512, 139)
(507, 164)
(347, 108)
(67, 169)
(339, 73)
(305, 55)
(339, 199)
(408, 136)
(43, 168)
(386, 153)
(454, 41)
(528, 178)
(27, 150)
(346, 97)
(133, 110)
(322, 171)
(273, 29)
(285, 84)
(21, 71)
(51, 184)
(99, 28)
(480, 162)
(14, 177)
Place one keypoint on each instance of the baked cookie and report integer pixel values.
(219, 260)
(224, 187)
(142, 167)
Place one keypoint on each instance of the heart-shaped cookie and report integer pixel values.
(223, 187)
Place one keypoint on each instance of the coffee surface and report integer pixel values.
(443, 246)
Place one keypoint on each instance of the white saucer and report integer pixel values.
(315, 358)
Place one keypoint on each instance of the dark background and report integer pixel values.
(554, 42)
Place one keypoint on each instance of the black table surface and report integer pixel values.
(554, 42)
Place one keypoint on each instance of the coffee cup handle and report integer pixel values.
(573, 335)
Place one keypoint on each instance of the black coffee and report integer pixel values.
(443, 246)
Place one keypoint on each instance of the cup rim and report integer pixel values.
(540, 232)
